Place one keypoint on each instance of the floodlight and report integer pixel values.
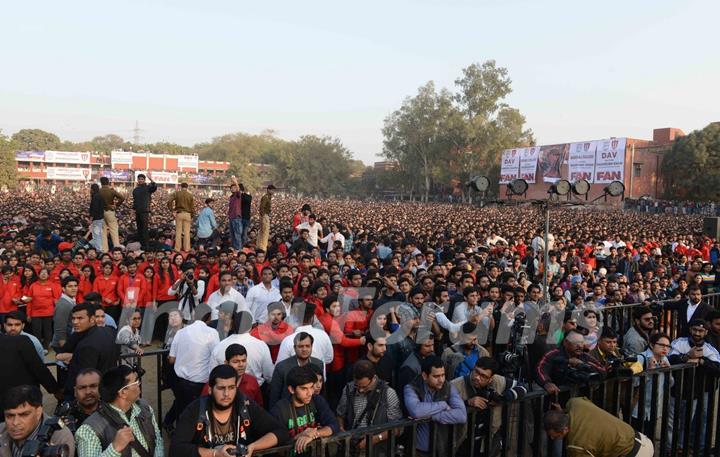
(581, 187)
(561, 187)
(615, 189)
(518, 186)
(479, 183)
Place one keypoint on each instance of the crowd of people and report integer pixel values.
(288, 320)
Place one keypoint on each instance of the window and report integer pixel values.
(637, 170)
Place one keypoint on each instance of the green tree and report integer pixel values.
(8, 167)
(35, 140)
(691, 169)
(109, 142)
(317, 165)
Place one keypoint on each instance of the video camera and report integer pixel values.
(512, 359)
(40, 446)
(618, 363)
(582, 374)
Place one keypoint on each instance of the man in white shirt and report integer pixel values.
(259, 361)
(261, 295)
(314, 230)
(226, 293)
(332, 237)
(190, 356)
(322, 346)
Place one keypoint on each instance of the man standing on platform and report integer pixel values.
(265, 207)
(141, 204)
(111, 199)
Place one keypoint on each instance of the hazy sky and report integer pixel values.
(189, 71)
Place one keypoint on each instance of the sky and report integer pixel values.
(189, 71)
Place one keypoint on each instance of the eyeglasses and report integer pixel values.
(663, 345)
(134, 383)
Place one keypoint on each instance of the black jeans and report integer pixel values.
(142, 220)
(185, 392)
(42, 328)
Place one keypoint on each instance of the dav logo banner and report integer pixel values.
(67, 157)
(581, 161)
(510, 165)
(610, 160)
(528, 164)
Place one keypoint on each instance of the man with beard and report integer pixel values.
(637, 338)
(14, 325)
(226, 293)
(224, 421)
(377, 355)
(87, 398)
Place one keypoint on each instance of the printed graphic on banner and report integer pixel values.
(550, 161)
(160, 177)
(69, 174)
(188, 162)
(117, 175)
(610, 160)
(528, 164)
(510, 166)
(581, 161)
(121, 158)
(30, 156)
(67, 157)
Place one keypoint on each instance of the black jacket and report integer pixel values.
(95, 348)
(96, 207)
(554, 367)
(187, 439)
(141, 197)
(20, 365)
(245, 203)
(681, 307)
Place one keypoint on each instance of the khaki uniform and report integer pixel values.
(183, 203)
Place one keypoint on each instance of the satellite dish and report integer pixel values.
(581, 187)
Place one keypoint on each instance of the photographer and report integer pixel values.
(23, 426)
(125, 425)
(568, 364)
(189, 291)
(486, 390)
(615, 360)
(225, 422)
(86, 402)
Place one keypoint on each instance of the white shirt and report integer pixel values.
(332, 238)
(192, 347)
(683, 346)
(216, 299)
(691, 310)
(183, 303)
(314, 232)
(322, 346)
(258, 297)
(259, 361)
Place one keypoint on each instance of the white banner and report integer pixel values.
(70, 174)
(188, 162)
(160, 177)
(581, 161)
(510, 165)
(528, 164)
(610, 160)
(121, 158)
(67, 157)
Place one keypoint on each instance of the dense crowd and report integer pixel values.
(287, 320)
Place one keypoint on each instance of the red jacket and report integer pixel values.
(356, 320)
(55, 274)
(151, 291)
(272, 337)
(43, 297)
(339, 341)
(107, 288)
(126, 282)
(8, 291)
(163, 285)
(84, 287)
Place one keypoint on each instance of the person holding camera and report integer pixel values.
(26, 427)
(225, 422)
(613, 358)
(568, 364)
(486, 390)
(86, 402)
(125, 425)
(190, 291)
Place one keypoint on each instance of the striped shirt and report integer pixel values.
(88, 443)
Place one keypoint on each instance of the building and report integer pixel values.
(387, 165)
(634, 162)
(67, 167)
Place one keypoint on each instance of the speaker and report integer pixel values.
(711, 227)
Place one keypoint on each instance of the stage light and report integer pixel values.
(518, 186)
(561, 187)
(615, 189)
(581, 187)
(479, 183)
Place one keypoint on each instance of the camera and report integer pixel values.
(617, 363)
(40, 447)
(581, 374)
(189, 276)
(64, 411)
(241, 450)
(490, 395)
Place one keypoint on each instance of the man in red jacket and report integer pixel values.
(10, 292)
(131, 286)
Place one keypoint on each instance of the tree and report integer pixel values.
(35, 140)
(443, 136)
(317, 165)
(107, 143)
(8, 167)
(692, 167)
